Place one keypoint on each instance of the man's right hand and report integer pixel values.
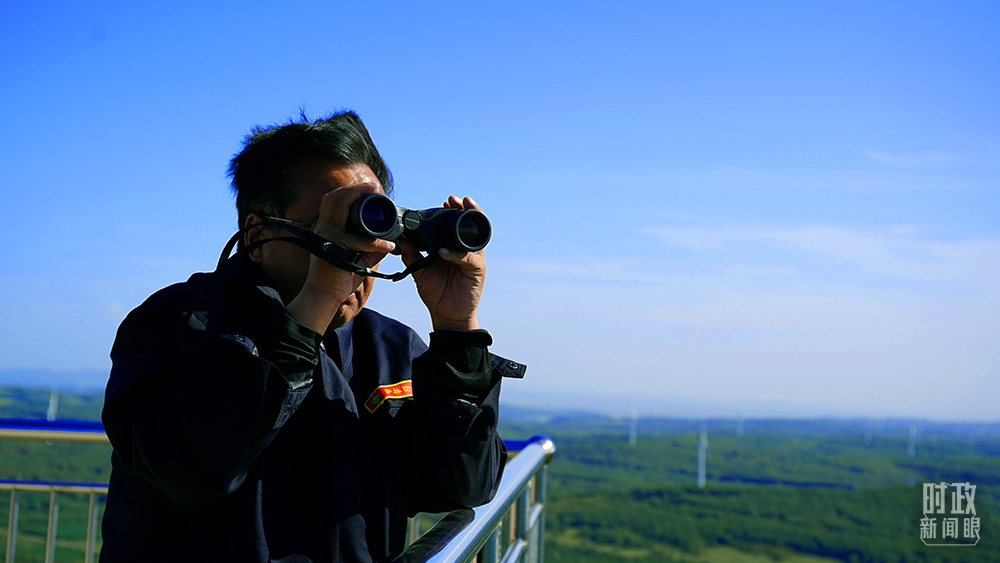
(327, 289)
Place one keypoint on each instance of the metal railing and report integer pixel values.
(53, 488)
(462, 536)
(64, 431)
(478, 534)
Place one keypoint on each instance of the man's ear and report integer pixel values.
(253, 235)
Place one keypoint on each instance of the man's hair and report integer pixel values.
(262, 173)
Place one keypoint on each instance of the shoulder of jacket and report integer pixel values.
(199, 286)
(388, 329)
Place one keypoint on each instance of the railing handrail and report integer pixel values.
(466, 543)
(68, 431)
(58, 424)
(38, 485)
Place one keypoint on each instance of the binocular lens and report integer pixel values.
(377, 216)
(473, 230)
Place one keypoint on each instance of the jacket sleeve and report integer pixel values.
(456, 452)
(190, 404)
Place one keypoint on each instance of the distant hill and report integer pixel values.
(80, 380)
(33, 402)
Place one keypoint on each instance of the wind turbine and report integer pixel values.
(53, 404)
(633, 427)
(702, 449)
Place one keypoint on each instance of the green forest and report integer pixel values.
(776, 490)
(798, 491)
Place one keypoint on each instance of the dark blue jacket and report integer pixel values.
(240, 435)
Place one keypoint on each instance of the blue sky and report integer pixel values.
(718, 208)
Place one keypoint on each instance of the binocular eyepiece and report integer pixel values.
(376, 216)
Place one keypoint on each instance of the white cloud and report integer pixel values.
(799, 314)
(114, 310)
(746, 271)
(895, 251)
(630, 269)
(904, 179)
(929, 160)
(703, 238)
(973, 262)
(839, 243)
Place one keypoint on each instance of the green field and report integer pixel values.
(783, 491)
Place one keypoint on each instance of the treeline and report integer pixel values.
(779, 493)
(33, 403)
(680, 523)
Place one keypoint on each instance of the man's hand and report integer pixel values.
(326, 286)
(450, 287)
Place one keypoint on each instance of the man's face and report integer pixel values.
(287, 265)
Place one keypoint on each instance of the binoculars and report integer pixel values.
(376, 216)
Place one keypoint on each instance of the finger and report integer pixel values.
(470, 261)
(462, 203)
(377, 245)
(361, 243)
(469, 203)
(407, 251)
(451, 255)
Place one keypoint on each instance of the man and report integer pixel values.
(261, 413)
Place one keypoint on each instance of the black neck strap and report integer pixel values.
(321, 248)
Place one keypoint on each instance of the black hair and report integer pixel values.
(262, 173)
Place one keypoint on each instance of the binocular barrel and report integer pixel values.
(376, 216)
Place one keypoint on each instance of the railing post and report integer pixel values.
(50, 536)
(524, 505)
(541, 483)
(492, 550)
(91, 528)
(12, 527)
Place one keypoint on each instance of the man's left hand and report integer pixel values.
(450, 287)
